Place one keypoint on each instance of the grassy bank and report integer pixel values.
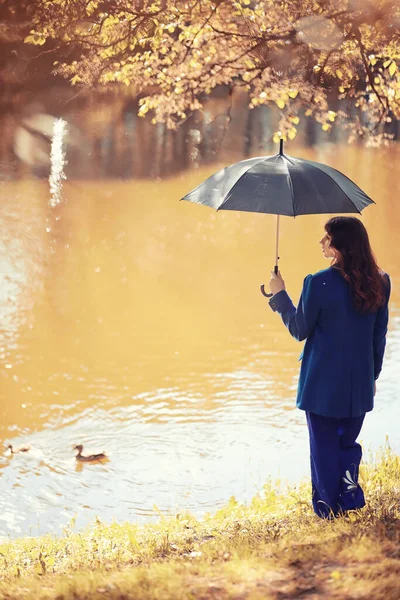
(274, 548)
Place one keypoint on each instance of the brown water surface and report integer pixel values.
(133, 323)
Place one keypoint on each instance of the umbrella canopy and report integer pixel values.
(280, 185)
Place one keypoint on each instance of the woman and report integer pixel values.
(343, 315)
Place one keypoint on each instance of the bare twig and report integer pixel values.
(370, 76)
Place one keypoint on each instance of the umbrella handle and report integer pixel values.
(264, 293)
(262, 288)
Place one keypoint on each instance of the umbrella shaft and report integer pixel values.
(277, 244)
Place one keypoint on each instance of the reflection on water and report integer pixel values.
(133, 323)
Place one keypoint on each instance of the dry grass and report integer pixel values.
(275, 548)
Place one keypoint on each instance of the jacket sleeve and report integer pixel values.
(380, 331)
(300, 321)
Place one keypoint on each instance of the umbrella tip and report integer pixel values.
(281, 147)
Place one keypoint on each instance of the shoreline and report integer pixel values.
(275, 547)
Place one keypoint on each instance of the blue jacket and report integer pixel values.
(344, 348)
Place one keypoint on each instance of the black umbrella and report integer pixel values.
(280, 185)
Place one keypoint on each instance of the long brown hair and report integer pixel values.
(357, 263)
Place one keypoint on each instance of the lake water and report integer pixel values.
(133, 323)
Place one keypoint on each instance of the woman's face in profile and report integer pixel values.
(327, 249)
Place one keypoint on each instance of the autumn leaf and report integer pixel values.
(75, 79)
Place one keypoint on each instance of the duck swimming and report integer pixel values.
(89, 457)
(13, 450)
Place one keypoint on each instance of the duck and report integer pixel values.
(89, 457)
(13, 450)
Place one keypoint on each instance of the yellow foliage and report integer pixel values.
(336, 575)
(36, 39)
(247, 76)
(75, 79)
(91, 7)
(212, 44)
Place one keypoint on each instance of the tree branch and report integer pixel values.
(357, 35)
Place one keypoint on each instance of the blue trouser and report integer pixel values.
(335, 460)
